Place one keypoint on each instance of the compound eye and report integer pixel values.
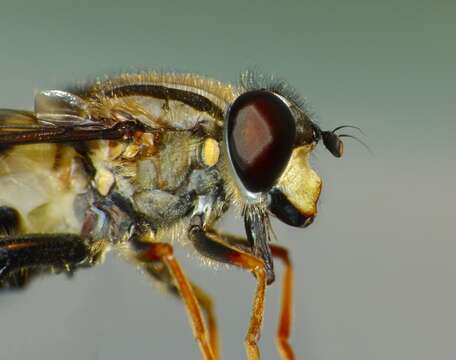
(260, 135)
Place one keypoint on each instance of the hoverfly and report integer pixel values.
(133, 162)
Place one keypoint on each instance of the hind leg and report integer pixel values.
(22, 256)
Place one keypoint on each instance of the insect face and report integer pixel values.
(269, 139)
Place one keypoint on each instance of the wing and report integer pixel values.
(60, 117)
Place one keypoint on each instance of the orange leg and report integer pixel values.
(206, 303)
(164, 252)
(256, 266)
(210, 245)
(286, 309)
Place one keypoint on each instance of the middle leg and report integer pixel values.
(161, 273)
(163, 252)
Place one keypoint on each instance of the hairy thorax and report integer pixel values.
(105, 189)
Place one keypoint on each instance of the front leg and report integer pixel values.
(211, 245)
(204, 244)
(286, 308)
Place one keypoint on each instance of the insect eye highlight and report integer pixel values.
(261, 133)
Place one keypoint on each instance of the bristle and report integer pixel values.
(254, 79)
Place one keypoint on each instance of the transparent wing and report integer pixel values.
(52, 108)
(59, 117)
(60, 108)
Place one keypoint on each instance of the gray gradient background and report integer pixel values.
(375, 274)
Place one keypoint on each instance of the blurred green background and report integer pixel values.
(375, 274)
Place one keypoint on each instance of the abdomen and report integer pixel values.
(41, 182)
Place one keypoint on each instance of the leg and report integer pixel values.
(18, 280)
(286, 315)
(164, 253)
(286, 309)
(210, 245)
(206, 303)
(24, 255)
(162, 274)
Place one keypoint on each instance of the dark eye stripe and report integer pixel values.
(261, 133)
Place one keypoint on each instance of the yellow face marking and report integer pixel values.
(300, 183)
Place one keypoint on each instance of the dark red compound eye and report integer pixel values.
(260, 134)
